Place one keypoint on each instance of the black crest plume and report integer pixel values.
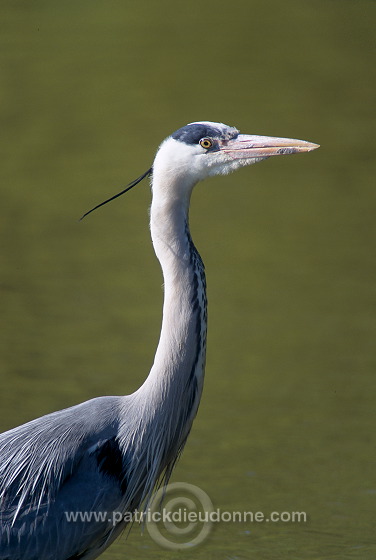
(127, 188)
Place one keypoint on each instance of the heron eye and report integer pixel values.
(206, 143)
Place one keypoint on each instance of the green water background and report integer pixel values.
(87, 92)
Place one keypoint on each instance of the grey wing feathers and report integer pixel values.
(67, 461)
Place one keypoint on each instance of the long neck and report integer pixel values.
(163, 408)
(175, 382)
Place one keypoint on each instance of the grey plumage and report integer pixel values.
(109, 453)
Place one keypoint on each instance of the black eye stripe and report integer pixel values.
(193, 133)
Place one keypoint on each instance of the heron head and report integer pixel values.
(202, 149)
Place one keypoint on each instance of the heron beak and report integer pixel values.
(246, 146)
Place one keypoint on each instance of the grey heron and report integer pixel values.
(109, 453)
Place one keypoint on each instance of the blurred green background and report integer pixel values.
(88, 89)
